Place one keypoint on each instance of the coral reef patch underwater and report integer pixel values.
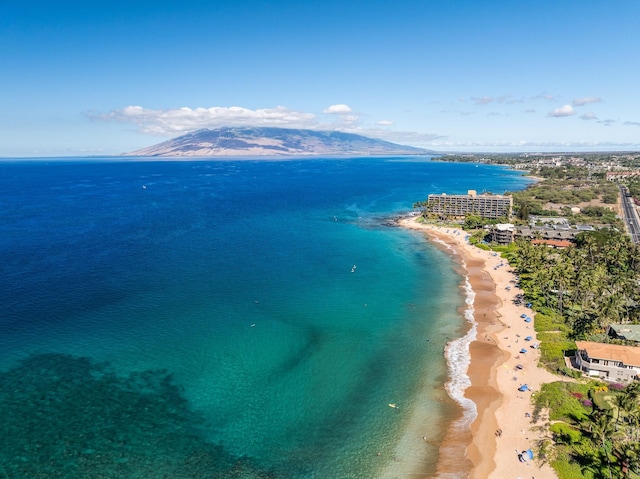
(69, 417)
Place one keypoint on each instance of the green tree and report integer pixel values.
(472, 222)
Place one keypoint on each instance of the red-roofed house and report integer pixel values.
(553, 243)
(610, 362)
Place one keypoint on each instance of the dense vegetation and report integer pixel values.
(577, 293)
(595, 428)
(555, 197)
(634, 187)
(586, 287)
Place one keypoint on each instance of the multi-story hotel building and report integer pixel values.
(486, 206)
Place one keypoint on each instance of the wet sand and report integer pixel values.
(477, 451)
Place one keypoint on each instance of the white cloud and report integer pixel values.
(182, 120)
(179, 121)
(349, 119)
(457, 112)
(586, 100)
(530, 146)
(564, 110)
(401, 137)
(507, 99)
(544, 96)
(631, 123)
(485, 100)
(338, 109)
(588, 116)
(608, 122)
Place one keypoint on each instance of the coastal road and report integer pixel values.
(630, 215)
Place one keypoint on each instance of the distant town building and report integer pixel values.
(550, 220)
(458, 206)
(559, 235)
(562, 232)
(553, 243)
(620, 175)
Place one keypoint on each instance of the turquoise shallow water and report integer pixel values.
(251, 318)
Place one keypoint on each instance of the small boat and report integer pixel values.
(393, 405)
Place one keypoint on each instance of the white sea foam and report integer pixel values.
(458, 359)
(458, 356)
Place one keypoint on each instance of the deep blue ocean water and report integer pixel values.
(212, 318)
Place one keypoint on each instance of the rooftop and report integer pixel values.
(629, 355)
(553, 242)
(628, 331)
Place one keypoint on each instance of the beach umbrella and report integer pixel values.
(523, 315)
(527, 319)
(528, 338)
(529, 453)
(528, 305)
(523, 350)
(524, 387)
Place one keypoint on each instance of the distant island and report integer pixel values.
(247, 141)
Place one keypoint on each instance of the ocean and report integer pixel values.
(247, 318)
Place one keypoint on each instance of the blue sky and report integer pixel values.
(105, 77)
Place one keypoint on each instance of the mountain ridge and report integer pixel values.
(271, 141)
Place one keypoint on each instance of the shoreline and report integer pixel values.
(493, 353)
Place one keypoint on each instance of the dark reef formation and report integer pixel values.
(68, 417)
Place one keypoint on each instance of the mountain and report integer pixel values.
(274, 142)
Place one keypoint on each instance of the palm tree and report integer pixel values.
(625, 403)
(627, 453)
(562, 276)
(633, 390)
(602, 429)
(612, 304)
(633, 425)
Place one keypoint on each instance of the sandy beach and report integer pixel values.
(503, 428)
